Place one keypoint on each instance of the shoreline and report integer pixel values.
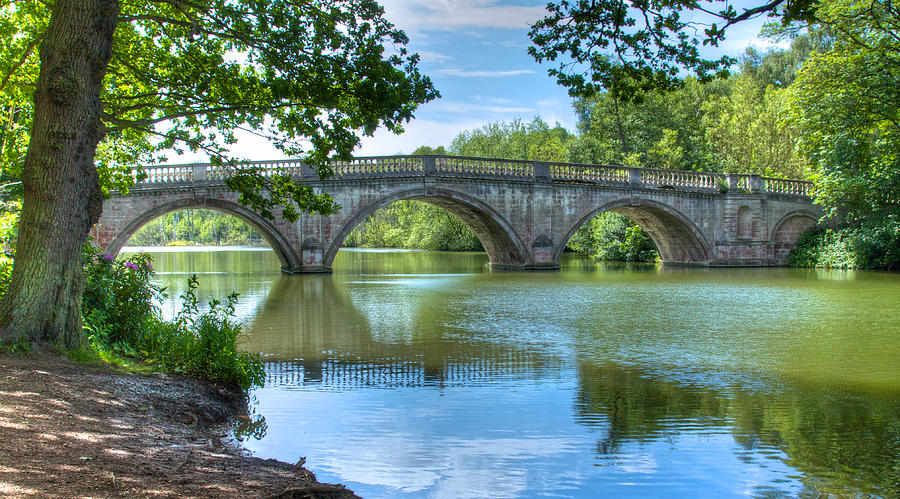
(73, 430)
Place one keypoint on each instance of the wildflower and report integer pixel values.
(108, 257)
(131, 265)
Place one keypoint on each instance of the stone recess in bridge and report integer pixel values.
(523, 212)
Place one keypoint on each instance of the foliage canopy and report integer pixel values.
(633, 46)
(310, 75)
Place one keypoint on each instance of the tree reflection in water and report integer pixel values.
(845, 443)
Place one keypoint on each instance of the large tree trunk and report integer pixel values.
(62, 197)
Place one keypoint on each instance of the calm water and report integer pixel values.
(424, 374)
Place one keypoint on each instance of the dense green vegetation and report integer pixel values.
(869, 246)
(189, 227)
(122, 319)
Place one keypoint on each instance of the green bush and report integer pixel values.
(121, 318)
(870, 246)
(119, 299)
(203, 344)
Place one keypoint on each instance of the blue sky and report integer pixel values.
(475, 53)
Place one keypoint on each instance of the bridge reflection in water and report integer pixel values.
(396, 373)
(326, 339)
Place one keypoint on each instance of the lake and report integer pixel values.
(426, 374)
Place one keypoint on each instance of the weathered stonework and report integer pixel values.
(523, 212)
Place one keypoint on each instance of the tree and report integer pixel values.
(846, 104)
(747, 131)
(121, 81)
(634, 46)
(663, 130)
(533, 141)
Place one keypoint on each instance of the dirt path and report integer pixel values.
(70, 430)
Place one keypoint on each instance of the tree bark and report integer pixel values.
(621, 129)
(62, 196)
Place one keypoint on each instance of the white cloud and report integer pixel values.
(429, 56)
(483, 73)
(554, 111)
(412, 15)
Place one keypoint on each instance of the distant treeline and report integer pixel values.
(414, 225)
(202, 227)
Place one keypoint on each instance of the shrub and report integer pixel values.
(204, 344)
(119, 298)
(870, 246)
(122, 319)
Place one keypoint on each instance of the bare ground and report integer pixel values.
(72, 430)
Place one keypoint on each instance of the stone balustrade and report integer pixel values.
(470, 167)
(600, 174)
(484, 167)
(788, 186)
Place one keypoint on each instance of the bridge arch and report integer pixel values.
(788, 230)
(677, 238)
(266, 228)
(501, 242)
(793, 223)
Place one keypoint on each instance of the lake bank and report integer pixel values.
(78, 430)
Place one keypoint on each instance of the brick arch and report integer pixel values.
(265, 227)
(676, 237)
(501, 242)
(793, 216)
(788, 230)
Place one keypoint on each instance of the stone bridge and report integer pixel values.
(524, 212)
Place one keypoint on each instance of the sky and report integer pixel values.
(475, 52)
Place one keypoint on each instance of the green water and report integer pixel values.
(425, 374)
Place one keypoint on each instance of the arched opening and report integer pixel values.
(788, 231)
(613, 237)
(411, 224)
(197, 227)
(502, 245)
(262, 230)
(675, 237)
